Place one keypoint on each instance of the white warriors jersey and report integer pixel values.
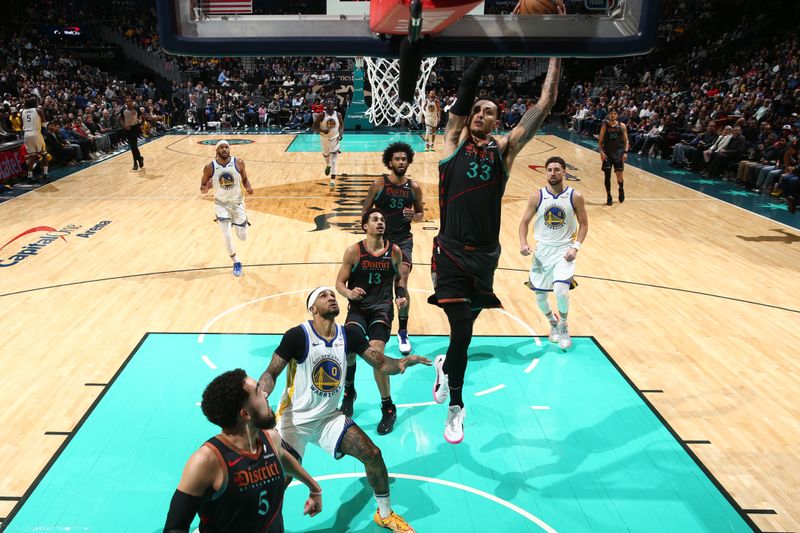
(314, 383)
(331, 123)
(555, 223)
(430, 108)
(227, 183)
(31, 121)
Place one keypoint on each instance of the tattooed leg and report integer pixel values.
(355, 443)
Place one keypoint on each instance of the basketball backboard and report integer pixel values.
(621, 28)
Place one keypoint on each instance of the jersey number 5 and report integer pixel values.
(263, 503)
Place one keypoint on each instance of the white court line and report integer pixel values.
(540, 407)
(532, 366)
(202, 336)
(489, 391)
(529, 329)
(208, 361)
(491, 497)
(421, 404)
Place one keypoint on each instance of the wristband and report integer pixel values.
(400, 292)
(312, 493)
(576, 245)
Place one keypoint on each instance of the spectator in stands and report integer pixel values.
(684, 152)
(58, 147)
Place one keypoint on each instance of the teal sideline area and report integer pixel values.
(563, 445)
(723, 190)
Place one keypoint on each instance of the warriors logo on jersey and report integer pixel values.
(227, 181)
(326, 376)
(330, 123)
(554, 217)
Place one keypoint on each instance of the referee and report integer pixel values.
(130, 125)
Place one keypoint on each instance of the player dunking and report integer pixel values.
(472, 179)
(367, 277)
(558, 213)
(432, 114)
(32, 121)
(316, 354)
(236, 480)
(330, 126)
(227, 175)
(613, 145)
(400, 199)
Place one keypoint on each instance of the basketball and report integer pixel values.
(537, 7)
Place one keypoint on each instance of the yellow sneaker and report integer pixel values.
(394, 522)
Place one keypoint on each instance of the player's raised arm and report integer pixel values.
(460, 110)
(533, 117)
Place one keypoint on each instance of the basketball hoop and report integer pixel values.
(383, 75)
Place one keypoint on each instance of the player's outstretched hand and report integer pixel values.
(313, 504)
(412, 360)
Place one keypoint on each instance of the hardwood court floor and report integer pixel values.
(688, 294)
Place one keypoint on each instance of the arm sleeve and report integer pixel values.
(469, 86)
(182, 510)
(356, 340)
(293, 344)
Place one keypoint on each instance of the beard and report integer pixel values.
(330, 313)
(399, 172)
(264, 422)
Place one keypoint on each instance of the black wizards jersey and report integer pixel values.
(391, 200)
(472, 182)
(251, 496)
(613, 143)
(375, 274)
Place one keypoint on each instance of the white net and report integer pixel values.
(383, 75)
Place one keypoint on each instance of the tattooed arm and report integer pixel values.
(533, 117)
(390, 365)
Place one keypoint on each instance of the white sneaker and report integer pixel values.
(553, 332)
(564, 340)
(440, 387)
(403, 342)
(454, 425)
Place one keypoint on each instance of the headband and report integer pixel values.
(314, 294)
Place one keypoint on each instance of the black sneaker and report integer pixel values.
(347, 404)
(621, 196)
(136, 166)
(609, 200)
(386, 425)
(141, 161)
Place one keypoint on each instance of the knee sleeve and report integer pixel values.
(541, 301)
(562, 297)
(333, 163)
(225, 226)
(241, 231)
